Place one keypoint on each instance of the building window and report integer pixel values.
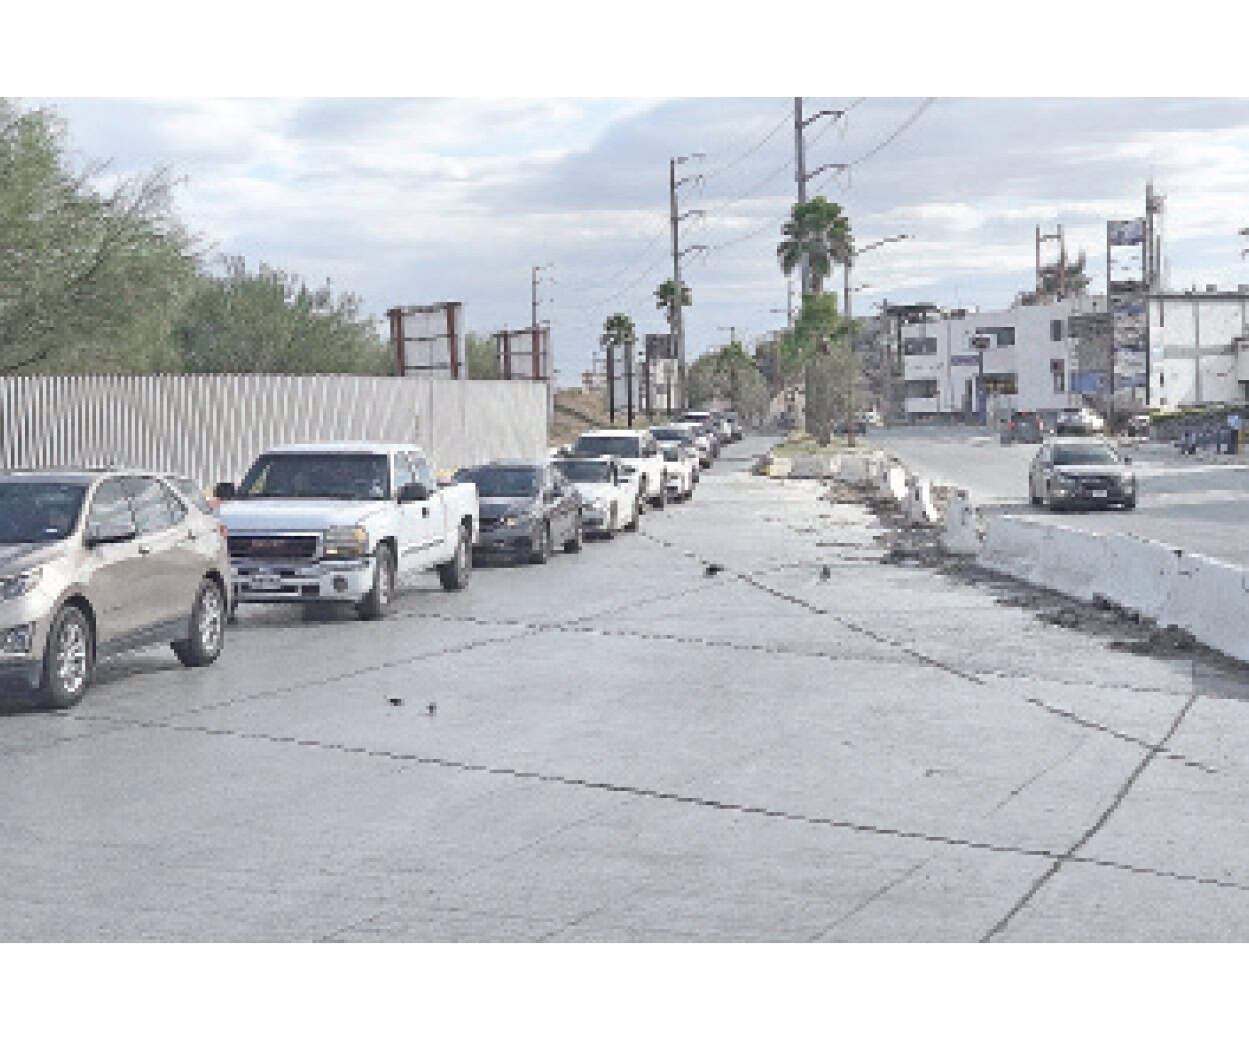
(1001, 383)
(1056, 330)
(919, 345)
(921, 388)
(1005, 334)
(1058, 369)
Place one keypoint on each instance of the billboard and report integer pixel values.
(427, 340)
(523, 353)
(660, 345)
(1126, 232)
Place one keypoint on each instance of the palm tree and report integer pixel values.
(819, 231)
(618, 331)
(665, 295)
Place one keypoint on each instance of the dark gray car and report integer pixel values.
(526, 509)
(1080, 471)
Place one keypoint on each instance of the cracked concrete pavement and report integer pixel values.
(626, 748)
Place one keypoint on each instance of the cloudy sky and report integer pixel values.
(412, 200)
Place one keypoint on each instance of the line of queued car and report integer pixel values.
(95, 561)
(598, 486)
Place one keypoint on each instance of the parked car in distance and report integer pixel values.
(682, 470)
(610, 499)
(527, 508)
(736, 430)
(689, 434)
(1081, 471)
(709, 426)
(94, 562)
(638, 452)
(1077, 422)
(1023, 428)
(1139, 426)
(345, 522)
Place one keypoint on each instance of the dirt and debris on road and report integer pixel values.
(906, 544)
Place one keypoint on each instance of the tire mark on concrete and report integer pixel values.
(1070, 856)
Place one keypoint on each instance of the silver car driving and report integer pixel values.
(94, 562)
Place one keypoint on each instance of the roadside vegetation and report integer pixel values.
(100, 275)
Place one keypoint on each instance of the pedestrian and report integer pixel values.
(1233, 433)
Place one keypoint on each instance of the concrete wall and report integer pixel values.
(1193, 356)
(211, 427)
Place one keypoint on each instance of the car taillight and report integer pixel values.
(224, 532)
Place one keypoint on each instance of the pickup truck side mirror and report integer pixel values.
(224, 490)
(416, 492)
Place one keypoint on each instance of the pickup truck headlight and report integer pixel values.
(14, 585)
(343, 541)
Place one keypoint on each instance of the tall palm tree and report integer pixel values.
(666, 294)
(618, 330)
(819, 231)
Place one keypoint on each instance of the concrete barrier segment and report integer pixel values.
(960, 533)
(1070, 561)
(1012, 545)
(1139, 574)
(918, 508)
(1210, 600)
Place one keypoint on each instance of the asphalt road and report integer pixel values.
(625, 747)
(1196, 503)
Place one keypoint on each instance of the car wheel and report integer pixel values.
(613, 523)
(1130, 503)
(68, 660)
(632, 525)
(542, 549)
(1033, 497)
(207, 631)
(662, 501)
(377, 599)
(574, 543)
(455, 572)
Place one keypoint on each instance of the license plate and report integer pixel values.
(265, 584)
(1100, 494)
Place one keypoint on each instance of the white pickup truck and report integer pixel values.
(345, 522)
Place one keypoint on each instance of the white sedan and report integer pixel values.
(680, 469)
(611, 499)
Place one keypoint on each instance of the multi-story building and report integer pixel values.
(1199, 347)
(965, 362)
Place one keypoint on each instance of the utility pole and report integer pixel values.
(676, 323)
(800, 170)
(538, 338)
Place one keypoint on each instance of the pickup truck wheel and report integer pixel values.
(632, 525)
(662, 500)
(377, 599)
(578, 538)
(454, 573)
(542, 549)
(208, 619)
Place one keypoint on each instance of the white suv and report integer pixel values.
(638, 452)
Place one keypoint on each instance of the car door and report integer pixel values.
(413, 517)
(113, 567)
(171, 569)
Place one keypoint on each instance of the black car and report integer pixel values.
(1080, 471)
(1023, 428)
(526, 509)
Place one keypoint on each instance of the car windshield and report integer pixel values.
(315, 475)
(671, 452)
(663, 433)
(1082, 455)
(191, 493)
(38, 512)
(624, 447)
(502, 481)
(585, 471)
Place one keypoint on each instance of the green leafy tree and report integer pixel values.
(665, 297)
(818, 347)
(90, 279)
(270, 321)
(483, 358)
(729, 374)
(819, 231)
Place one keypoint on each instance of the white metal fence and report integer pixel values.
(210, 427)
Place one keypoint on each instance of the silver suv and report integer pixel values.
(95, 562)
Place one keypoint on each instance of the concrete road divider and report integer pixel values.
(918, 507)
(1012, 545)
(1210, 600)
(1071, 561)
(961, 533)
(892, 481)
(1138, 574)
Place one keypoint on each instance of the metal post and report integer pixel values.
(674, 315)
(800, 174)
(628, 360)
(611, 381)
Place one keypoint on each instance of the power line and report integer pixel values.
(750, 151)
(906, 124)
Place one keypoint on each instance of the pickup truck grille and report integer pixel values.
(280, 546)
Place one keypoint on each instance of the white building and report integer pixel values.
(1199, 347)
(1027, 354)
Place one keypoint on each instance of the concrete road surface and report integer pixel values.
(622, 746)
